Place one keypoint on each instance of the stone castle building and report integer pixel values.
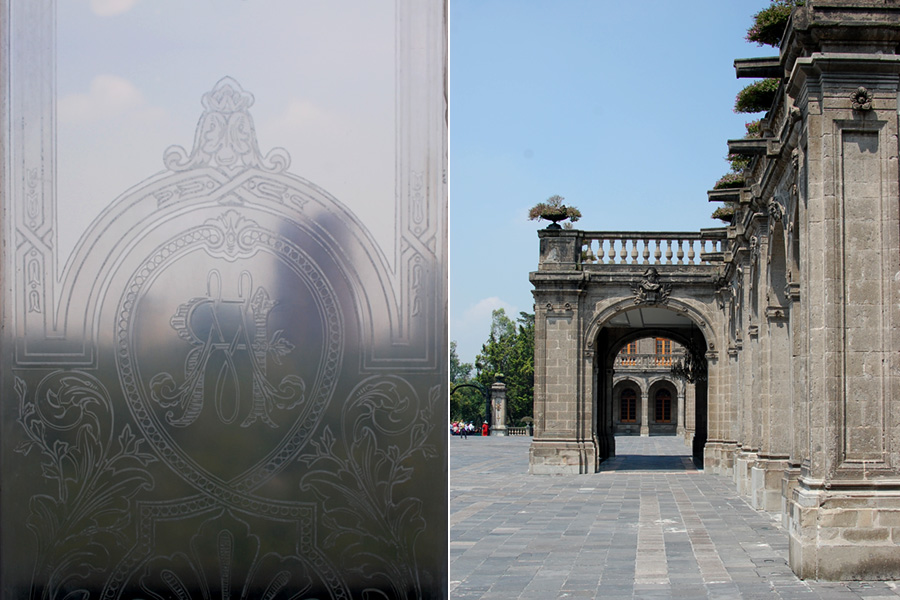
(789, 316)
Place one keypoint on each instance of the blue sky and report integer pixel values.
(622, 108)
(131, 73)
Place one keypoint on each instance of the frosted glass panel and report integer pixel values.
(224, 342)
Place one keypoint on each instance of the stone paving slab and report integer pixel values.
(649, 525)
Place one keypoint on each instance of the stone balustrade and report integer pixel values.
(651, 248)
(626, 361)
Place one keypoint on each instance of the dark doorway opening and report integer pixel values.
(658, 392)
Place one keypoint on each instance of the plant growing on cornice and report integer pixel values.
(753, 130)
(730, 181)
(756, 97)
(724, 213)
(769, 23)
(554, 210)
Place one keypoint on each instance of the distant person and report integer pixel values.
(484, 429)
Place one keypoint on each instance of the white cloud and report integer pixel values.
(484, 308)
(109, 8)
(473, 328)
(107, 96)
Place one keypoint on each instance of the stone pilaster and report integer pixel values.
(690, 408)
(844, 509)
(563, 439)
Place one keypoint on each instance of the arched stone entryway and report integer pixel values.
(659, 398)
(586, 309)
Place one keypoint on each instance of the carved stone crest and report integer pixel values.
(649, 290)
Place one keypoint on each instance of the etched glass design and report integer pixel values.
(222, 380)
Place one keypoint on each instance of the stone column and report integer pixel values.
(679, 418)
(498, 406)
(690, 413)
(645, 413)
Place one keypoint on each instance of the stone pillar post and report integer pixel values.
(498, 406)
(645, 413)
(844, 510)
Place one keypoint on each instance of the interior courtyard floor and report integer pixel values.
(649, 525)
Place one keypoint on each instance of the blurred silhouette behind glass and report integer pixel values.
(234, 386)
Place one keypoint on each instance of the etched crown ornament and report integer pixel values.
(225, 138)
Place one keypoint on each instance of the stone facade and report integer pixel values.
(791, 313)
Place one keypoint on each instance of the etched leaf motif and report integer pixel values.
(361, 478)
(96, 474)
(226, 560)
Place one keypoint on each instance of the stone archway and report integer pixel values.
(586, 307)
(632, 323)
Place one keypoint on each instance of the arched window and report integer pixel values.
(663, 406)
(629, 406)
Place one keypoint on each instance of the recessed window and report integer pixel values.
(629, 406)
(663, 406)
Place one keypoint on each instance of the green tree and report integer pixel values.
(509, 353)
(520, 377)
(466, 404)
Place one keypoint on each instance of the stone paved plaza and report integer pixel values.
(648, 525)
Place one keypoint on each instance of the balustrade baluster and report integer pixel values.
(646, 253)
(634, 252)
(668, 252)
(658, 252)
(691, 252)
(600, 253)
(680, 254)
(623, 251)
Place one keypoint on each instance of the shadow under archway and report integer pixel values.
(628, 326)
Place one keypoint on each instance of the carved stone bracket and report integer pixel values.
(565, 307)
(792, 291)
(776, 313)
(776, 210)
